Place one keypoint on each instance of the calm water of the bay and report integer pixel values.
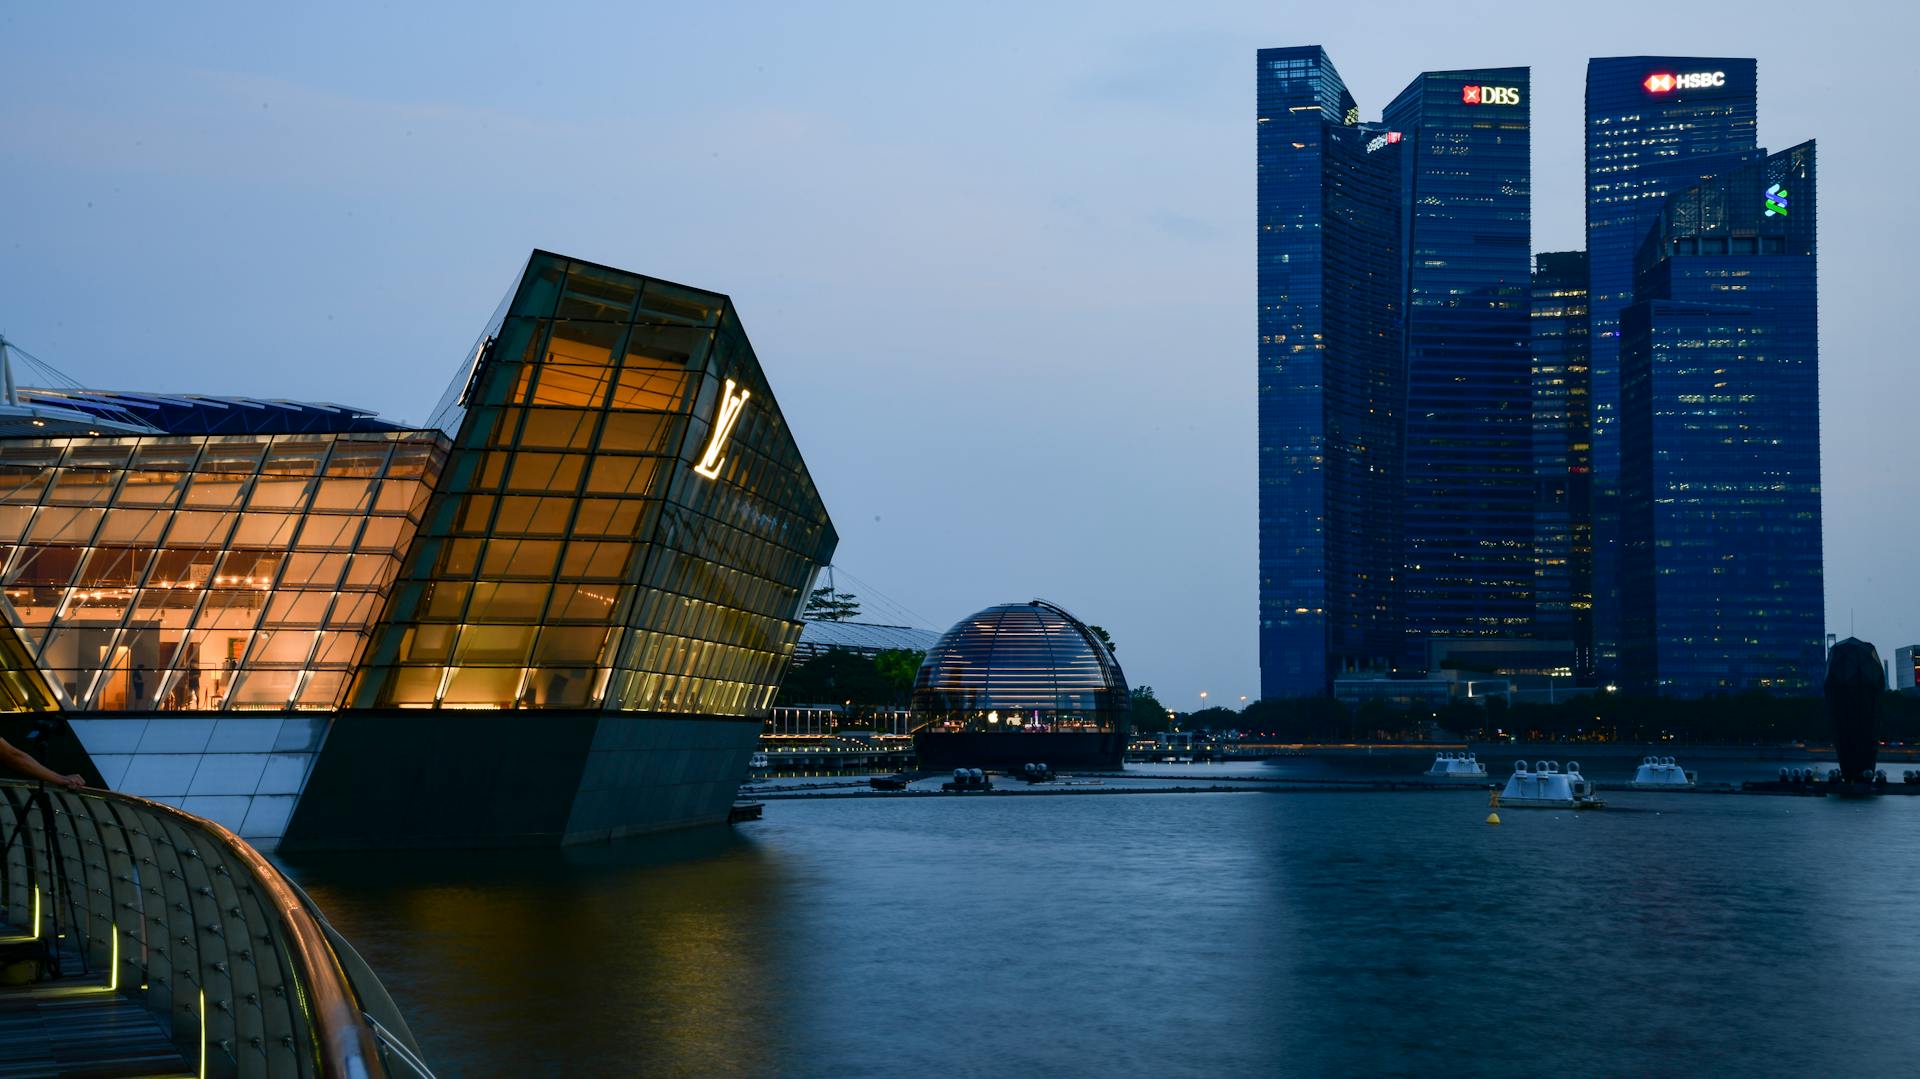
(1158, 935)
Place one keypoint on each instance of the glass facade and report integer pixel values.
(1020, 667)
(610, 515)
(1654, 125)
(1329, 384)
(598, 542)
(1721, 576)
(319, 627)
(204, 574)
(1468, 451)
(1562, 456)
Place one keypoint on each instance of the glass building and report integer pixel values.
(1721, 579)
(1654, 125)
(558, 611)
(1329, 377)
(1562, 456)
(1020, 683)
(204, 573)
(1467, 568)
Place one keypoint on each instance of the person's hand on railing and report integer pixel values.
(12, 760)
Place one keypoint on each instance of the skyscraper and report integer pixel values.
(1719, 424)
(1329, 381)
(1468, 490)
(1562, 455)
(1654, 125)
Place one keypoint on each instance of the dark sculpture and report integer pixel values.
(1855, 683)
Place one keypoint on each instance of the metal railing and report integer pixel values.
(178, 913)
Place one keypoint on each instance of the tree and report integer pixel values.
(1101, 633)
(1146, 714)
(1215, 718)
(1299, 719)
(824, 604)
(897, 668)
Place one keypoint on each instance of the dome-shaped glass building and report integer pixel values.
(1020, 683)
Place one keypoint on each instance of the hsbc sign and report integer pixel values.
(1490, 95)
(1663, 83)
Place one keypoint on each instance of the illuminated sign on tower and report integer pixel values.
(1663, 83)
(1489, 95)
(1776, 201)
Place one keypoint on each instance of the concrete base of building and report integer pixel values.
(403, 780)
(510, 779)
(242, 771)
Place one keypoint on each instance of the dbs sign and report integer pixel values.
(1490, 95)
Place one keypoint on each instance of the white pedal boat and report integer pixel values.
(1545, 786)
(1457, 766)
(1661, 774)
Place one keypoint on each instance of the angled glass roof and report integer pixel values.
(122, 411)
(816, 636)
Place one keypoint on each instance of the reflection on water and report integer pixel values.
(1169, 935)
(634, 956)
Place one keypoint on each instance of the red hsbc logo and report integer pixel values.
(1490, 95)
(1663, 83)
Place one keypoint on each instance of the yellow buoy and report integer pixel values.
(1493, 818)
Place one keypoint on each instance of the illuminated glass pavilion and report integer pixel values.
(1020, 683)
(557, 612)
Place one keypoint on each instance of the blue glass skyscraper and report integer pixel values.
(1562, 456)
(1329, 380)
(1654, 124)
(1468, 455)
(1721, 579)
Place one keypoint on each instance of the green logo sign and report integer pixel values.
(1776, 201)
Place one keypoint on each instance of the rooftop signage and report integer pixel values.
(730, 405)
(1489, 95)
(1386, 138)
(1663, 83)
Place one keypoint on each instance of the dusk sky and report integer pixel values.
(997, 261)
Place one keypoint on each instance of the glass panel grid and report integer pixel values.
(573, 559)
(176, 573)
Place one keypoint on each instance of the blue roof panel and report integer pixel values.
(195, 414)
